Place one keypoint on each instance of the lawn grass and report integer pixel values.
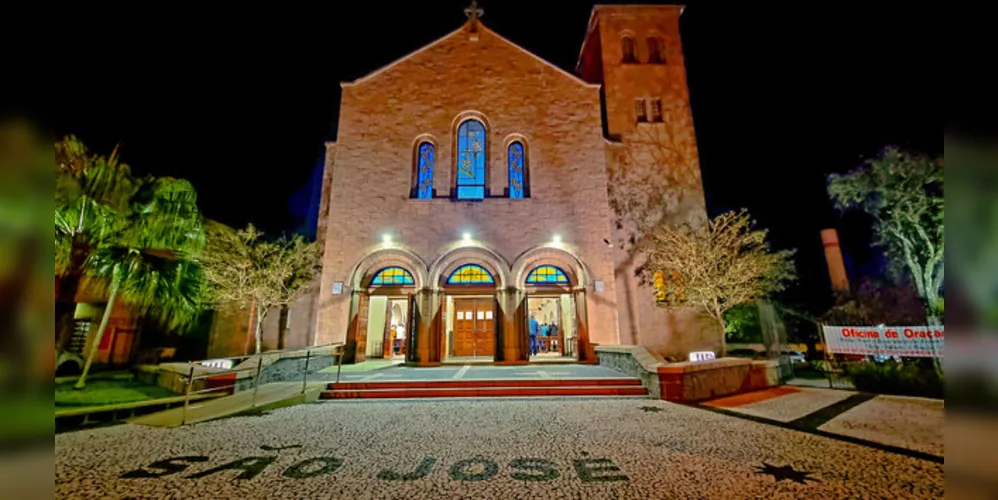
(107, 392)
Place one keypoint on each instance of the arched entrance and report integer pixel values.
(552, 323)
(470, 283)
(471, 319)
(555, 322)
(383, 317)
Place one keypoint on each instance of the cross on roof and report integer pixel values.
(474, 11)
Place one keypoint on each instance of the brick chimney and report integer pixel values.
(833, 256)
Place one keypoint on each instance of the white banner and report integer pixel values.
(909, 341)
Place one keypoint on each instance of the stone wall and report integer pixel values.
(702, 380)
(283, 366)
(691, 381)
(635, 361)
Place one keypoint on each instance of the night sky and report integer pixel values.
(240, 100)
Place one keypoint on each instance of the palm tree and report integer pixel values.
(148, 257)
(89, 189)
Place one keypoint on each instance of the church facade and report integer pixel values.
(480, 203)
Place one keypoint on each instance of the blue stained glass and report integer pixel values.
(393, 276)
(470, 275)
(471, 155)
(516, 170)
(546, 275)
(425, 165)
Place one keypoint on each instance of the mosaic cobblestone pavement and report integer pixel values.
(497, 448)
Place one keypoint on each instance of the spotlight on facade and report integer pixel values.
(556, 239)
(387, 238)
(466, 237)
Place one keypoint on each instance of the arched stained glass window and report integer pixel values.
(470, 274)
(547, 275)
(393, 276)
(424, 166)
(471, 155)
(517, 171)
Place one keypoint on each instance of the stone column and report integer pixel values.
(353, 351)
(587, 353)
(427, 314)
(512, 303)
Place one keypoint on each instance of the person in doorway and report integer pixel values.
(553, 343)
(399, 340)
(534, 327)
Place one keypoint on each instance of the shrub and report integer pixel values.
(911, 378)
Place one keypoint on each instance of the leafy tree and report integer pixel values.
(903, 192)
(715, 266)
(246, 270)
(147, 258)
(876, 303)
(741, 323)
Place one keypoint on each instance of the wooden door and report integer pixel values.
(464, 327)
(474, 327)
(360, 332)
(485, 327)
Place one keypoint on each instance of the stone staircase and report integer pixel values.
(542, 387)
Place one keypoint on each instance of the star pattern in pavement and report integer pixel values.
(787, 472)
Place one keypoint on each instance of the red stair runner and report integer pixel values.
(471, 388)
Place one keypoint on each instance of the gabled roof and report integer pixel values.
(481, 28)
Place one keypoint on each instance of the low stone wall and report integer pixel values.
(691, 381)
(635, 361)
(276, 366)
(696, 381)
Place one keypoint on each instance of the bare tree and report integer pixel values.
(301, 261)
(715, 266)
(245, 270)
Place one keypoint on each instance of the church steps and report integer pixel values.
(485, 388)
(447, 384)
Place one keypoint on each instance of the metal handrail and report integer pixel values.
(247, 356)
(338, 351)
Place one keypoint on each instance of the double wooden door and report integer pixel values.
(474, 327)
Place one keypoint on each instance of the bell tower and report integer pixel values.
(653, 168)
(636, 52)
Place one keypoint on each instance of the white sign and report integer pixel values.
(910, 341)
(224, 364)
(702, 356)
(599, 285)
(337, 287)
